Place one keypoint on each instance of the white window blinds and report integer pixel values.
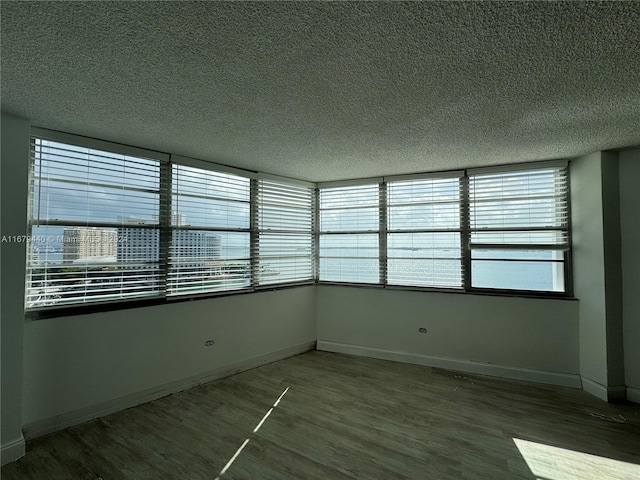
(210, 223)
(423, 232)
(285, 228)
(87, 209)
(519, 224)
(349, 233)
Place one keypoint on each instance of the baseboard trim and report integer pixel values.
(633, 394)
(12, 451)
(607, 394)
(468, 366)
(83, 415)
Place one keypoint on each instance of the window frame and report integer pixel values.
(258, 230)
(379, 231)
(567, 252)
(62, 138)
(164, 226)
(166, 162)
(449, 175)
(465, 234)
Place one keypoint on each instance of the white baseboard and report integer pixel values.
(12, 451)
(633, 394)
(607, 394)
(469, 366)
(83, 415)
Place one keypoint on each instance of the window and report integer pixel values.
(349, 233)
(519, 228)
(111, 223)
(499, 228)
(423, 231)
(284, 245)
(87, 206)
(210, 223)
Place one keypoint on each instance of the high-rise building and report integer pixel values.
(86, 242)
(137, 243)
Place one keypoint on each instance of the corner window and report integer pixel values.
(284, 247)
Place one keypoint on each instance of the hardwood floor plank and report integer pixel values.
(342, 418)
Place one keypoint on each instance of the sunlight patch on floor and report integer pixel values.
(553, 463)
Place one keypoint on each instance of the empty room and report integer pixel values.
(320, 240)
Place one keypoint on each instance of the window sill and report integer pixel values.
(88, 308)
(458, 291)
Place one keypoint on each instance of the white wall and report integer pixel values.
(61, 370)
(519, 333)
(629, 170)
(588, 264)
(612, 270)
(598, 273)
(78, 365)
(14, 170)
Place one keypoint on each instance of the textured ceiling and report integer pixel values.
(326, 91)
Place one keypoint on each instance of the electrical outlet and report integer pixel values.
(209, 343)
(422, 330)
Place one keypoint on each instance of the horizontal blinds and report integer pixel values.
(423, 232)
(349, 208)
(210, 241)
(208, 199)
(87, 208)
(285, 226)
(349, 233)
(523, 209)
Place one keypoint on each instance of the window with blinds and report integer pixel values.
(423, 231)
(111, 223)
(284, 244)
(88, 208)
(210, 224)
(349, 233)
(519, 228)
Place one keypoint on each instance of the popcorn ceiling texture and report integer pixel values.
(327, 91)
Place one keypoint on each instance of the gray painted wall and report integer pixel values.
(14, 171)
(629, 170)
(588, 264)
(613, 268)
(74, 362)
(539, 334)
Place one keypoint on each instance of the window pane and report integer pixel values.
(432, 203)
(70, 265)
(360, 270)
(349, 245)
(424, 245)
(88, 253)
(518, 270)
(202, 198)
(285, 242)
(349, 219)
(433, 272)
(424, 258)
(349, 258)
(205, 261)
(349, 208)
(519, 228)
(85, 185)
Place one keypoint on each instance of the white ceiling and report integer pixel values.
(327, 91)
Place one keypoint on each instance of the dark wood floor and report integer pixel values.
(343, 417)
